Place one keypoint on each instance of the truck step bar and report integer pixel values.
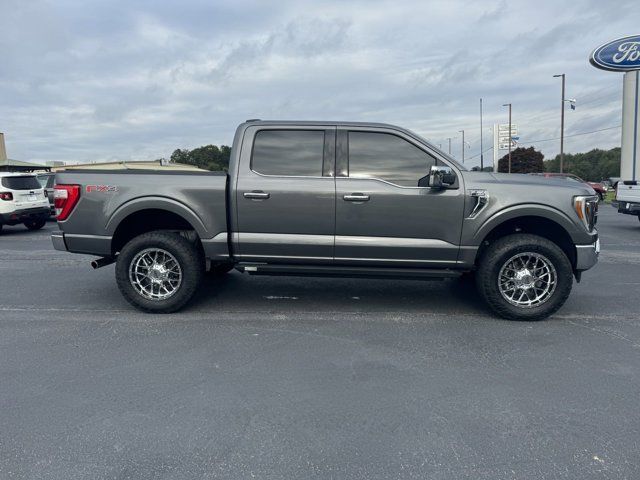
(347, 271)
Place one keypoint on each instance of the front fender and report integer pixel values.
(578, 234)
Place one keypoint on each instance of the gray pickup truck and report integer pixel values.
(332, 199)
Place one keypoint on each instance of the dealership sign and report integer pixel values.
(621, 55)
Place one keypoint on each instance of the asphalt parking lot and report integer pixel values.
(315, 378)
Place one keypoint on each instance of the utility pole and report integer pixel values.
(509, 105)
(462, 131)
(449, 138)
(481, 153)
(561, 123)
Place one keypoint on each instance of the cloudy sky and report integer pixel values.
(134, 80)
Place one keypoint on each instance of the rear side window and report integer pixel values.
(288, 152)
(387, 157)
(21, 183)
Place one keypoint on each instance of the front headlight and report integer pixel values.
(586, 207)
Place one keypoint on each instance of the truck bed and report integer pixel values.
(109, 197)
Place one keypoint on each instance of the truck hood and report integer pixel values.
(526, 183)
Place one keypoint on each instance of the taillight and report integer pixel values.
(65, 198)
(6, 196)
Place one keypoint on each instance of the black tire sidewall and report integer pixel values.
(35, 224)
(186, 254)
(503, 249)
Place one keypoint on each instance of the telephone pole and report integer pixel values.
(561, 123)
(509, 105)
(462, 131)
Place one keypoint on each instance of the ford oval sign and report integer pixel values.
(621, 55)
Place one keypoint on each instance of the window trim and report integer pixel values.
(327, 159)
(345, 162)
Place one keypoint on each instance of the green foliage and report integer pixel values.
(523, 160)
(594, 166)
(209, 157)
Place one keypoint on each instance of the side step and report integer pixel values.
(347, 271)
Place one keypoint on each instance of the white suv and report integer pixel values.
(22, 200)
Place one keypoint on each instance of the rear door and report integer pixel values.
(382, 216)
(285, 194)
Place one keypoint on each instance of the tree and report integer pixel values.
(594, 165)
(523, 160)
(208, 157)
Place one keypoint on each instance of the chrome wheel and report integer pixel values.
(155, 274)
(527, 280)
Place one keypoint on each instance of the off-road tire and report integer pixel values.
(35, 224)
(188, 255)
(499, 252)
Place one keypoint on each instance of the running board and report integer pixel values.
(347, 271)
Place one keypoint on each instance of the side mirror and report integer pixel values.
(441, 176)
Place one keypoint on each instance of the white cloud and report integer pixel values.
(135, 81)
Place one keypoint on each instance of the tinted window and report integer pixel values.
(387, 157)
(288, 152)
(21, 183)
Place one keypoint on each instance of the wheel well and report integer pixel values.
(148, 220)
(537, 226)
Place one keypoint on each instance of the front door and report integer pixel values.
(382, 216)
(285, 195)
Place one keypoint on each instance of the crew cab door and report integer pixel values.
(285, 195)
(382, 216)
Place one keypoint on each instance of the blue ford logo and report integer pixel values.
(620, 55)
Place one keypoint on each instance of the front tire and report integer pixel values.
(159, 272)
(524, 277)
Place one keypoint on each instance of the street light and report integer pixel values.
(561, 122)
(509, 105)
(463, 144)
(481, 152)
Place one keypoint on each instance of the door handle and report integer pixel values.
(356, 197)
(256, 195)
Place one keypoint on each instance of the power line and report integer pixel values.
(567, 136)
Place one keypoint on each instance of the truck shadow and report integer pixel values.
(241, 292)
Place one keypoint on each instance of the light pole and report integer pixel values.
(561, 123)
(449, 138)
(509, 105)
(462, 131)
(481, 154)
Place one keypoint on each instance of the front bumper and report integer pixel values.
(587, 255)
(21, 216)
(628, 208)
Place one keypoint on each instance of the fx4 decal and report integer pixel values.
(101, 188)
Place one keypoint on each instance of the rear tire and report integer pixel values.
(35, 224)
(524, 277)
(159, 272)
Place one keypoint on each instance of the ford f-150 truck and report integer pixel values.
(332, 199)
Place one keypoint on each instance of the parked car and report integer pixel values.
(332, 199)
(628, 198)
(599, 188)
(22, 200)
(47, 180)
